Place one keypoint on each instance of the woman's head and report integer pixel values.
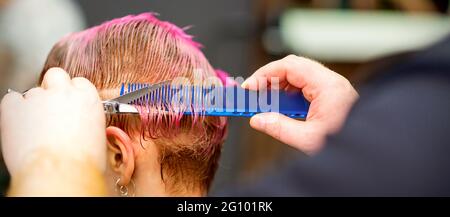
(182, 150)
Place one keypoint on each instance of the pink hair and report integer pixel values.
(143, 49)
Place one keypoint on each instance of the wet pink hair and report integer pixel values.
(143, 49)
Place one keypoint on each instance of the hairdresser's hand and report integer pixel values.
(63, 119)
(330, 94)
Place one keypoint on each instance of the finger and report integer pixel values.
(297, 71)
(89, 91)
(287, 130)
(273, 69)
(11, 100)
(33, 92)
(260, 83)
(291, 89)
(255, 81)
(84, 84)
(56, 78)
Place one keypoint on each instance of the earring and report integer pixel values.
(124, 190)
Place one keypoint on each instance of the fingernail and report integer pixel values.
(257, 121)
(244, 84)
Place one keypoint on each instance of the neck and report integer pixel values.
(149, 183)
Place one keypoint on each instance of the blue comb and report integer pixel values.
(216, 101)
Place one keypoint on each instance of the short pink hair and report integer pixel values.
(143, 49)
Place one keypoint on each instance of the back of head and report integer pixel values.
(143, 49)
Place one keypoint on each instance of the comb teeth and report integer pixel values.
(218, 100)
(127, 88)
(192, 99)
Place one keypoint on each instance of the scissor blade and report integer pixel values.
(131, 96)
(113, 107)
(127, 109)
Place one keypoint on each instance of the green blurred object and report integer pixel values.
(359, 36)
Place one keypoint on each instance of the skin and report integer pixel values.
(71, 161)
(48, 139)
(135, 167)
(331, 97)
(30, 155)
(138, 168)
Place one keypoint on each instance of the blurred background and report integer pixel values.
(357, 38)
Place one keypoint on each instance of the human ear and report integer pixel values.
(120, 154)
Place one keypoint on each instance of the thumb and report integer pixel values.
(298, 134)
